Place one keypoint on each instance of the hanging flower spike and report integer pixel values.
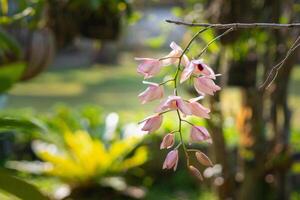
(198, 109)
(197, 67)
(173, 103)
(168, 141)
(171, 160)
(174, 55)
(149, 67)
(205, 85)
(199, 134)
(153, 92)
(152, 123)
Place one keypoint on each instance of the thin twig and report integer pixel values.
(236, 25)
(213, 40)
(274, 71)
(162, 83)
(188, 122)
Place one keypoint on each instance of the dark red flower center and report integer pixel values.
(200, 67)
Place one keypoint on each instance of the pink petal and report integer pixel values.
(183, 107)
(199, 110)
(148, 67)
(187, 72)
(153, 92)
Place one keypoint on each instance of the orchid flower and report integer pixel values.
(148, 67)
(153, 92)
(199, 134)
(174, 55)
(173, 103)
(197, 67)
(152, 123)
(198, 109)
(171, 160)
(205, 85)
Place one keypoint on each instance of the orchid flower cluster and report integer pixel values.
(203, 78)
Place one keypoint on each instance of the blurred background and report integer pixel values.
(69, 107)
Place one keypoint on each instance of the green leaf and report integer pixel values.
(19, 188)
(26, 125)
(8, 44)
(10, 74)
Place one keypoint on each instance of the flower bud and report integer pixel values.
(199, 134)
(168, 141)
(203, 159)
(171, 160)
(195, 172)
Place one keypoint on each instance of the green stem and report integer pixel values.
(176, 93)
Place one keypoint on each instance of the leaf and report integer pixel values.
(9, 44)
(19, 188)
(7, 123)
(10, 74)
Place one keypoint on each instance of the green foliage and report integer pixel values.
(156, 42)
(23, 10)
(8, 46)
(19, 188)
(20, 124)
(115, 6)
(10, 74)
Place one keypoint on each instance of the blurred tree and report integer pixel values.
(27, 47)
(260, 166)
(96, 19)
(263, 153)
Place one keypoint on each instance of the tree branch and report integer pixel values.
(274, 71)
(237, 25)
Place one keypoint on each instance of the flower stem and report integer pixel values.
(167, 81)
(188, 122)
(176, 93)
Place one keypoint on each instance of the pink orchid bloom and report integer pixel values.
(198, 109)
(152, 123)
(205, 85)
(168, 141)
(197, 67)
(149, 67)
(154, 91)
(199, 134)
(173, 56)
(171, 160)
(173, 103)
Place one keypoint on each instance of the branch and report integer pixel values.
(233, 26)
(213, 40)
(237, 25)
(274, 71)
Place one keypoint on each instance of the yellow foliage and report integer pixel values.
(85, 159)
